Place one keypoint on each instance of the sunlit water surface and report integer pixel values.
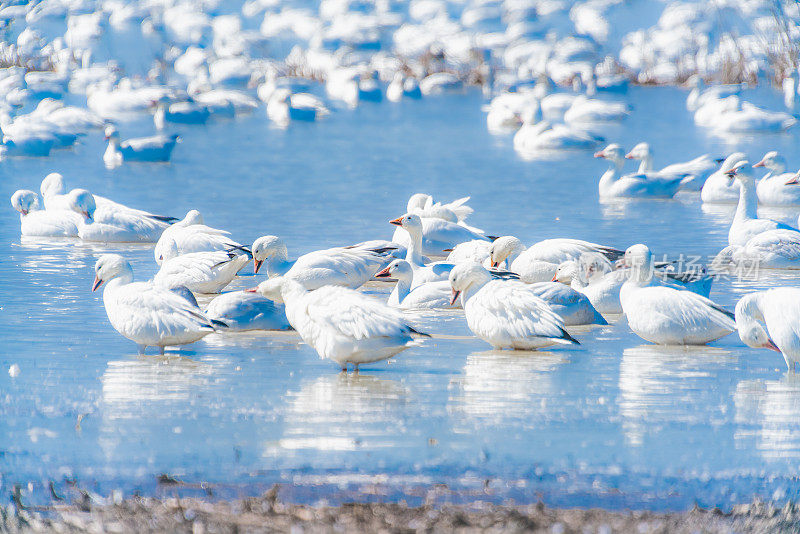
(612, 422)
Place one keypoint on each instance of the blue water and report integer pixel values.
(612, 422)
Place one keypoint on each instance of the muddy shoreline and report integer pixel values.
(267, 513)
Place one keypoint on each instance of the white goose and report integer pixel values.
(35, 222)
(614, 184)
(589, 110)
(341, 324)
(438, 235)
(350, 266)
(539, 262)
(773, 249)
(471, 251)
(456, 211)
(719, 189)
(779, 310)
(284, 107)
(593, 276)
(242, 311)
(777, 187)
(571, 305)
(146, 314)
(111, 226)
(201, 272)
(664, 315)
(537, 134)
(422, 273)
(191, 235)
(505, 313)
(425, 296)
(746, 223)
(156, 148)
(700, 168)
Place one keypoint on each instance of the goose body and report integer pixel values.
(108, 225)
(777, 188)
(571, 305)
(769, 319)
(201, 272)
(505, 313)
(438, 236)
(699, 169)
(718, 188)
(341, 324)
(242, 311)
(614, 184)
(668, 316)
(157, 148)
(425, 296)
(35, 222)
(773, 249)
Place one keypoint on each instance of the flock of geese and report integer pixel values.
(513, 296)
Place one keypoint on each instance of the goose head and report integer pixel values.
(750, 330)
(397, 270)
(565, 272)
(53, 184)
(592, 266)
(109, 267)
(640, 152)
(82, 201)
(613, 153)
(111, 134)
(268, 246)
(640, 261)
(502, 248)
(166, 249)
(465, 277)
(25, 201)
(773, 162)
(410, 222)
(740, 172)
(192, 217)
(278, 289)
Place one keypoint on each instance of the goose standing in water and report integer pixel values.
(146, 314)
(505, 313)
(779, 311)
(341, 324)
(746, 223)
(665, 315)
(35, 222)
(777, 187)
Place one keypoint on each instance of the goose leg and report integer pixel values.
(162, 349)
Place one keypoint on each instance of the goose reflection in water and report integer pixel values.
(658, 383)
(768, 413)
(341, 413)
(500, 387)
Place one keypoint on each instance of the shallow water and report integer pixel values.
(613, 422)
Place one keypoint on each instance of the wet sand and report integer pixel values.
(267, 513)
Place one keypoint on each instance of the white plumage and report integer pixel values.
(35, 222)
(243, 310)
(341, 324)
(201, 272)
(779, 310)
(425, 296)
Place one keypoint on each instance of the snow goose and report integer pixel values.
(536, 134)
(505, 313)
(225, 101)
(718, 187)
(350, 266)
(773, 249)
(593, 276)
(341, 324)
(665, 315)
(422, 273)
(157, 148)
(111, 226)
(146, 314)
(746, 223)
(284, 107)
(186, 112)
(591, 111)
(777, 188)
(242, 311)
(29, 143)
(471, 251)
(438, 235)
(748, 118)
(700, 95)
(456, 211)
(571, 305)
(202, 272)
(779, 311)
(191, 239)
(700, 168)
(424, 296)
(35, 222)
(614, 184)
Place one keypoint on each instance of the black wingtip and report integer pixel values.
(504, 275)
(164, 218)
(565, 335)
(218, 324)
(492, 237)
(415, 331)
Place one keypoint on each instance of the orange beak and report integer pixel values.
(599, 154)
(627, 156)
(555, 278)
(257, 265)
(96, 284)
(251, 290)
(383, 273)
(24, 212)
(495, 264)
(454, 296)
(397, 222)
(759, 164)
(772, 346)
(793, 180)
